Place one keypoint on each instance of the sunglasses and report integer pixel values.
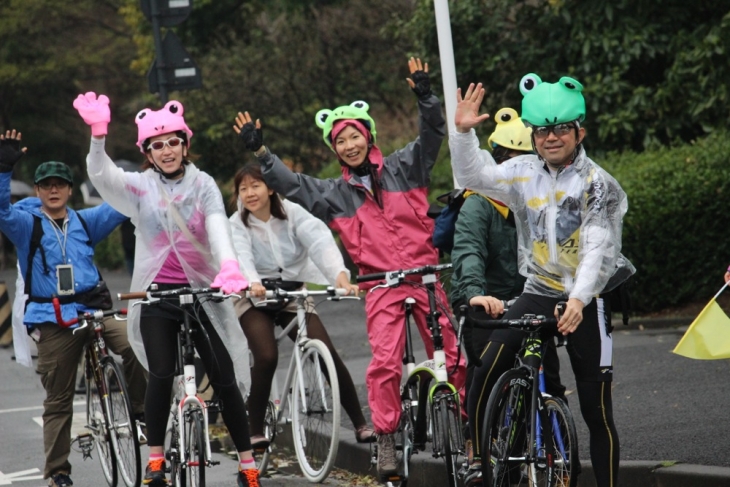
(559, 130)
(46, 185)
(171, 142)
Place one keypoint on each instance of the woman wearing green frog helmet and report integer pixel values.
(569, 214)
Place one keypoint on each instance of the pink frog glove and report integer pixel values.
(94, 111)
(229, 279)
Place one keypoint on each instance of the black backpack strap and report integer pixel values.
(35, 244)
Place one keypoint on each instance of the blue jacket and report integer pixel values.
(16, 222)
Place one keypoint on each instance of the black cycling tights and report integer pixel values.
(597, 410)
(258, 326)
(160, 343)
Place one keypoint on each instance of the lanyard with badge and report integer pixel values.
(64, 272)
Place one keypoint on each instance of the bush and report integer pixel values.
(109, 253)
(674, 231)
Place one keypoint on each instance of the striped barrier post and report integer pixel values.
(6, 315)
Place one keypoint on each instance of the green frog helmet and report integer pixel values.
(551, 103)
(511, 132)
(357, 110)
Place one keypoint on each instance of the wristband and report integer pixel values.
(260, 152)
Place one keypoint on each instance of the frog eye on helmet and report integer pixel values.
(142, 114)
(321, 117)
(360, 105)
(505, 115)
(571, 83)
(529, 82)
(174, 107)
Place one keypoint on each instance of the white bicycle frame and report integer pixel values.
(295, 363)
(188, 399)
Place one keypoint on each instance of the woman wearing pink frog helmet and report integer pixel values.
(183, 239)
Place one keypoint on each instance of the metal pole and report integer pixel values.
(448, 66)
(160, 64)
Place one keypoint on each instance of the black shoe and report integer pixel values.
(473, 477)
(155, 473)
(60, 480)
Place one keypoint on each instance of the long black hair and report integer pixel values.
(253, 170)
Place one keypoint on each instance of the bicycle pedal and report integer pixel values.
(213, 406)
(212, 463)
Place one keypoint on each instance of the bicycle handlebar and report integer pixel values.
(278, 293)
(86, 315)
(427, 269)
(171, 293)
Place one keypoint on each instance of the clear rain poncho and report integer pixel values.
(199, 202)
(300, 248)
(568, 226)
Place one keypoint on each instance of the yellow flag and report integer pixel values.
(708, 337)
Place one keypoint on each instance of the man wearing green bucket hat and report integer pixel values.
(569, 214)
(55, 247)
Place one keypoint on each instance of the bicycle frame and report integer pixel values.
(295, 363)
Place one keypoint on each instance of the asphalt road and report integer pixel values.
(667, 407)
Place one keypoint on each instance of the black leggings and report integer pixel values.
(159, 329)
(590, 363)
(258, 326)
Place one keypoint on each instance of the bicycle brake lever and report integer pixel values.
(85, 325)
(379, 286)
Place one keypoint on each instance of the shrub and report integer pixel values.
(674, 231)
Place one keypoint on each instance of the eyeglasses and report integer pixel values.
(46, 185)
(559, 130)
(171, 142)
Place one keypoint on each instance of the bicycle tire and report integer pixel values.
(262, 459)
(123, 427)
(504, 444)
(97, 423)
(172, 447)
(447, 434)
(566, 458)
(316, 424)
(193, 473)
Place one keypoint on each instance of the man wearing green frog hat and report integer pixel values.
(569, 215)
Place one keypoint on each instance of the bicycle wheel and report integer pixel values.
(566, 442)
(193, 473)
(172, 447)
(123, 427)
(507, 456)
(96, 423)
(448, 438)
(316, 415)
(261, 457)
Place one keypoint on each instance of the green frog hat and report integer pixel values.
(551, 103)
(511, 132)
(357, 110)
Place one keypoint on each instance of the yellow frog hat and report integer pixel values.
(511, 132)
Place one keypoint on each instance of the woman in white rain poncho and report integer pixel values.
(183, 239)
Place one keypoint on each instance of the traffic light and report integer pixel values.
(172, 69)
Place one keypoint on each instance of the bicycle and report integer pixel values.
(520, 415)
(430, 406)
(312, 391)
(110, 420)
(187, 447)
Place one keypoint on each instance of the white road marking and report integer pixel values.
(9, 478)
(35, 408)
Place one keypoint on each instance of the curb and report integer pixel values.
(427, 471)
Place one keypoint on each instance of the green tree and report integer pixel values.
(654, 71)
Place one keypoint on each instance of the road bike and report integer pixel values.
(110, 420)
(430, 405)
(187, 444)
(311, 390)
(529, 437)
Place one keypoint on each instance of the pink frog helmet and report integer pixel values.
(168, 119)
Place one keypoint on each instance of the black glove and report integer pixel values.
(423, 84)
(10, 153)
(252, 137)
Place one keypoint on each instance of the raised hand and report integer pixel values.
(250, 133)
(10, 151)
(467, 115)
(419, 80)
(95, 112)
